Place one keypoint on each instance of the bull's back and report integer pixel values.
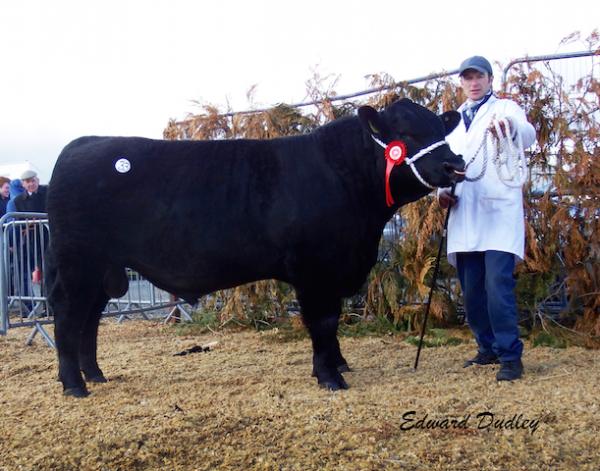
(210, 213)
(191, 208)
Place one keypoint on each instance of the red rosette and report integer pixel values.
(395, 154)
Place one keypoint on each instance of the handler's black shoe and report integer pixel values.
(510, 370)
(482, 359)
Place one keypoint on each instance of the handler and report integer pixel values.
(486, 230)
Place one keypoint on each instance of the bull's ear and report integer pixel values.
(371, 121)
(450, 120)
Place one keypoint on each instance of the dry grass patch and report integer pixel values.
(250, 404)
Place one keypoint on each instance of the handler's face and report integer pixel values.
(475, 84)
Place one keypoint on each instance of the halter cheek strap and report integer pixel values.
(395, 154)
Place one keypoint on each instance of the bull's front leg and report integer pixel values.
(321, 317)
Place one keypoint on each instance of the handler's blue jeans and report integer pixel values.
(489, 294)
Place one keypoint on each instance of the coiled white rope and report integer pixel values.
(509, 158)
(508, 155)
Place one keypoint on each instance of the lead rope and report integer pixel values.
(517, 175)
(507, 154)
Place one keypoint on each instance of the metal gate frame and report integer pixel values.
(23, 241)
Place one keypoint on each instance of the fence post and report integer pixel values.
(3, 281)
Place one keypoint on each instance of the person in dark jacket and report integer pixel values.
(34, 237)
(4, 194)
(33, 199)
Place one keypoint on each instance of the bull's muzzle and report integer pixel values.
(456, 171)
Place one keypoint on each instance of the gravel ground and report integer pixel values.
(250, 403)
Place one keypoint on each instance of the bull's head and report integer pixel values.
(410, 129)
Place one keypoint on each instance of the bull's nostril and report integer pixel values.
(450, 168)
(455, 172)
(453, 168)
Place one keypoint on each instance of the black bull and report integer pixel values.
(197, 216)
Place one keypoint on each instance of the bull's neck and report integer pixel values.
(362, 162)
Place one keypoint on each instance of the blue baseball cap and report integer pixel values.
(478, 63)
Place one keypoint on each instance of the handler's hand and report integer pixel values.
(505, 132)
(36, 276)
(445, 199)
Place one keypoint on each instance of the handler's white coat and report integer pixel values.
(489, 214)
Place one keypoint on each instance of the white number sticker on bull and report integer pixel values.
(123, 165)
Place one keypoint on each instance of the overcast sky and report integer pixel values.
(121, 67)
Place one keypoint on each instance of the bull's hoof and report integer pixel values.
(96, 379)
(334, 384)
(93, 374)
(343, 368)
(76, 392)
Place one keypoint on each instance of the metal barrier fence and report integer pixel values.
(418, 80)
(23, 241)
(547, 59)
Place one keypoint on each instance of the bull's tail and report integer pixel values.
(50, 275)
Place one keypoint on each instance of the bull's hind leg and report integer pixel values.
(68, 324)
(88, 346)
(321, 316)
(71, 299)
